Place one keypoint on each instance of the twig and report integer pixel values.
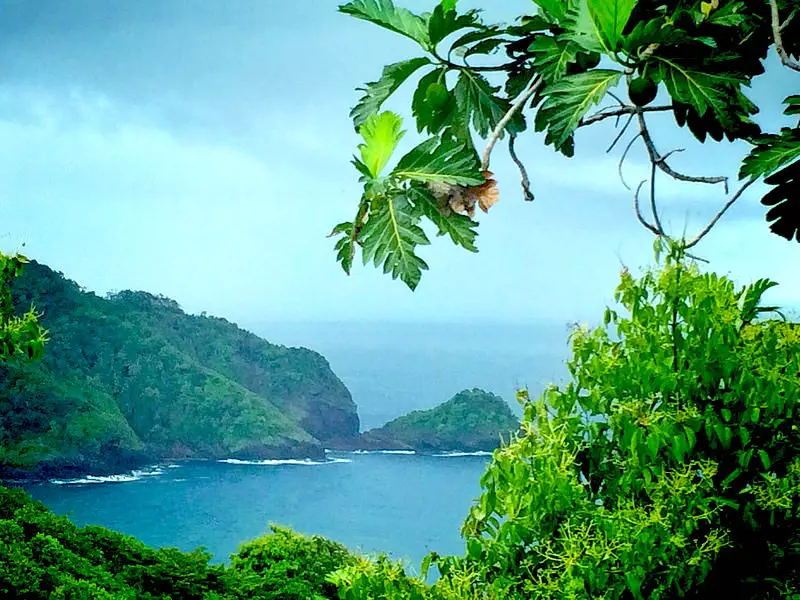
(720, 213)
(660, 161)
(788, 20)
(653, 207)
(622, 160)
(637, 209)
(536, 84)
(620, 134)
(525, 182)
(623, 110)
(776, 33)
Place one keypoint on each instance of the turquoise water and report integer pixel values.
(406, 505)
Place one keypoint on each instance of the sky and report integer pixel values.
(202, 149)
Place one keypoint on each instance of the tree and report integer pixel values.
(668, 466)
(557, 65)
(19, 334)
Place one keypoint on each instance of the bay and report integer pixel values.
(405, 505)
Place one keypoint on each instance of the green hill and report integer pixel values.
(473, 420)
(131, 377)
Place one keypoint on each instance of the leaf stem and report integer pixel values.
(777, 29)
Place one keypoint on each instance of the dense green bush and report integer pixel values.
(669, 466)
(46, 556)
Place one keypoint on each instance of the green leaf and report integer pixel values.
(345, 246)
(581, 27)
(441, 161)
(771, 153)
(444, 22)
(381, 133)
(610, 18)
(377, 92)
(552, 55)
(429, 117)
(785, 202)
(385, 14)
(567, 102)
(390, 237)
(554, 8)
(478, 104)
(460, 228)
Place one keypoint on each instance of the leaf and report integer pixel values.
(441, 161)
(444, 22)
(552, 55)
(567, 102)
(345, 246)
(475, 36)
(750, 299)
(785, 202)
(385, 14)
(610, 18)
(554, 8)
(429, 117)
(390, 237)
(478, 104)
(771, 153)
(581, 28)
(381, 135)
(460, 228)
(377, 92)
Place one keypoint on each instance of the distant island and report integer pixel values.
(472, 420)
(131, 379)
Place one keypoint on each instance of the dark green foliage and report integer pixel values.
(703, 55)
(45, 556)
(20, 334)
(133, 375)
(288, 566)
(668, 467)
(471, 420)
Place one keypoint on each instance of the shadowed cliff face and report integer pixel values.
(132, 375)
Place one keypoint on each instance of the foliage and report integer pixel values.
(477, 80)
(472, 420)
(132, 374)
(289, 566)
(669, 466)
(46, 556)
(19, 334)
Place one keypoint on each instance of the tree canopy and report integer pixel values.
(478, 82)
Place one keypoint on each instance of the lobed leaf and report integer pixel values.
(385, 14)
(381, 133)
(460, 228)
(567, 101)
(441, 161)
(771, 153)
(377, 92)
(610, 18)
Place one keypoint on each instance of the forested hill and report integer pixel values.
(472, 420)
(132, 377)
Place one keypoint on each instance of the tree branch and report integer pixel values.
(534, 87)
(525, 182)
(776, 33)
(625, 109)
(660, 161)
(637, 209)
(720, 213)
(653, 207)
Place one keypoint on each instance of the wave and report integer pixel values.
(307, 462)
(407, 452)
(456, 454)
(134, 475)
(88, 479)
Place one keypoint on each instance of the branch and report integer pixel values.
(653, 207)
(720, 213)
(526, 184)
(638, 211)
(660, 161)
(623, 157)
(625, 109)
(536, 84)
(776, 33)
(448, 63)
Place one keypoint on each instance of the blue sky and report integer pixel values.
(201, 150)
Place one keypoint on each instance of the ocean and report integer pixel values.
(403, 504)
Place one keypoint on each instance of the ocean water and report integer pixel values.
(404, 504)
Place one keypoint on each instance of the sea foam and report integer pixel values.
(288, 461)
